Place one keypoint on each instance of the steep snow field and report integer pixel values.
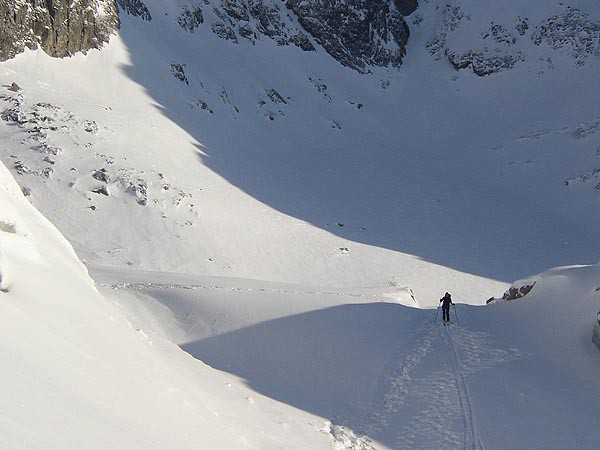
(280, 217)
(77, 375)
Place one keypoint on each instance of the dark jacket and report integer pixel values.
(447, 301)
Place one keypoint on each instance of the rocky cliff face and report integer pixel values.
(501, 46)
(358, 33)
(59, 27)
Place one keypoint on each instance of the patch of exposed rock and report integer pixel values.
(250, 20)
(501, 47)
(573, 30)
(135, 8)
(60, 27)
(515, 292)
(484, 62)
(358, 33)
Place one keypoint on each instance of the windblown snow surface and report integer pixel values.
(292, 224)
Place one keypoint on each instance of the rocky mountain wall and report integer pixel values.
(59, 27)
(357, 33)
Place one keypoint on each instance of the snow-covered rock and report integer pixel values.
(486, 40)
(358, 33)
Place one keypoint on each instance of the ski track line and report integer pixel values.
(437, 422)
(472, 440)
(150, 285)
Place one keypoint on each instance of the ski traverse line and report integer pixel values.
(152, 285)
(471, 437)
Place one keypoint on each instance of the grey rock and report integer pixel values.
(275, 96)
(300, 40)
(60, 27)
(101, 175)
(90, 126)
(522, 26)
(499, 34)
(47, 172)
(515, 293)
(484, 62)
(135, 8)
(190, 19)
(101, 190)
(21, 168)
(224, 32)
(406, 7)
(247, 32)
(256, 18)
(321, 87)
(236, 9)
(12, 115)
(140, 190)
(451, 17)
(573, 31)
(178, 71)
(14, 87)
(201, 104)
(357, 33)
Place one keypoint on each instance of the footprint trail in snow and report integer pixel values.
(427, 403)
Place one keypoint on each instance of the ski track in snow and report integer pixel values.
(140, 286)
(432, 406)
(471, 438)
(435, 406)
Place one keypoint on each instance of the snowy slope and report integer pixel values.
(515, 374)
(400, 176)
(274, 214)
(193, 220)
(77, 375)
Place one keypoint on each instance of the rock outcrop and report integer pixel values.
(59, 27)
(358, 33)
(250, 20)
(136, 8)
(501, 47)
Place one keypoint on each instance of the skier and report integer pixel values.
(447, 301)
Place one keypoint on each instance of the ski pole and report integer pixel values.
(455, 314)
(436, 313)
